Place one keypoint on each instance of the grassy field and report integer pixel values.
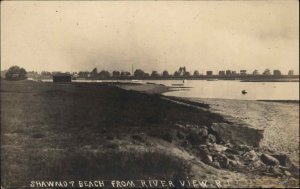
(71, 131)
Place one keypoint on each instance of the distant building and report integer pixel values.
(276, 72)
(84, 74)
(233, 73)
(291, 72)
(243, 72)
(209, 72)
(75, 74)
(221, 73)
(61, 77)
(228, 72)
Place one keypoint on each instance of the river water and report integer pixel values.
(224, 89)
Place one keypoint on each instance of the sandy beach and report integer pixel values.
(279, 120)
(99, 130)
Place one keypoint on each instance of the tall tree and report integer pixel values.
(187, 74)
(139, 73)
(196, 73)
(176, 74)
(116, 73)
(154, 74)
(125, 74)
(165, 73)
(94, 72)
(104, 74)
(255, 72)
(267, 72)
(15, 73)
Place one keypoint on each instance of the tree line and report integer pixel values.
(18, 73)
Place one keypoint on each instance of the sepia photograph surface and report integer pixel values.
(149, 94)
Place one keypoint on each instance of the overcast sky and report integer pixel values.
(201, 35)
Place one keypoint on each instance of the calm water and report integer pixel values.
(232, 89)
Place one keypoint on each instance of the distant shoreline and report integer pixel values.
(272, 80)
(241, 78)
(282, 101)
(216, 78)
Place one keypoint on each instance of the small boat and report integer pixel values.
(244, 92)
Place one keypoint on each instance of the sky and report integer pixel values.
(150, 35)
